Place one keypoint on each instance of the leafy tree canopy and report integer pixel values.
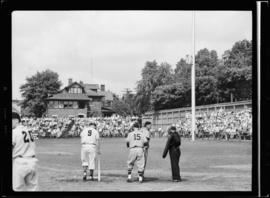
(36, 89)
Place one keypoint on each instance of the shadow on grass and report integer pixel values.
(110, 178)
(79, 180)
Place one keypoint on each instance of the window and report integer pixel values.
(75, 90)
(81, 105)
(65, 104)
(55, 104)
(70, 104)
(75, 105)
(61, 104)
(50, 105)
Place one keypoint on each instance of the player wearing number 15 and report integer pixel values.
(90, 146)
(24, 174)
(136, 141)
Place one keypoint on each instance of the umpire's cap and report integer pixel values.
(136, 125)
(15, 115)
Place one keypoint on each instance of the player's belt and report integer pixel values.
(136, 147)
(89, 143)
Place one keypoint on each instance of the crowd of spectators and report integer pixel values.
(219, 124)
(215, 124)
(114, 126)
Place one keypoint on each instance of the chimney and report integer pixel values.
(102, 87)
(81, 82)
(69, 81)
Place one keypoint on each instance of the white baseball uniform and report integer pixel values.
(24, 177)
(89, 140)
(136, 141)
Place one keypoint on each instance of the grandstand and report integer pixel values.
(164, 118)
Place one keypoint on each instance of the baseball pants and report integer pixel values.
(136, 155)
(24, 174)
(88, 155)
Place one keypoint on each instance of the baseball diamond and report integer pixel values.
(204, 165)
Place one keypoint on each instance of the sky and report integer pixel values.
(111, 47)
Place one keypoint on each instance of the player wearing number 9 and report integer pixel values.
(24, 171)
(90, 145)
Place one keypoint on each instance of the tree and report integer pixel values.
(240, 55)
(235, 74)
(206, 90)
(182, 71)
(35, 91)
(236, 81)
(205, 61)
(171, 96)
(120, 107)
(153, 75)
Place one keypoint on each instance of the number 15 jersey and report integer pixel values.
(136, 139)
(22, 142)
(89, 136)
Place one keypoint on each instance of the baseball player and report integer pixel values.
(146, 132)
(90, 146)
(135, 142)
(24, 170)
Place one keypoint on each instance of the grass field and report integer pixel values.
(205, 166)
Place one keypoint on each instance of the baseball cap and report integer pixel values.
(16, 116)
(136, 125)
(92, 123)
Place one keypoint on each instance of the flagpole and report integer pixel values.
(193, 121)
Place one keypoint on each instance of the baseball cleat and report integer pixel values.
(91, 178)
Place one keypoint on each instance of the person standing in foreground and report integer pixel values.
(172, 145)
(24, 170)
(135, 142)
(146, 133)
(90, 146)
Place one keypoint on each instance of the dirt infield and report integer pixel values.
(205, 166)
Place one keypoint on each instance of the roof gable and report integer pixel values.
(71, 85)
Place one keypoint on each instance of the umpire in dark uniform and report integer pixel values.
(173, 146)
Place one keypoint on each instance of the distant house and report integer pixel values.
(77, 100)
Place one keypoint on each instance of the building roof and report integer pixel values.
(93, 93)
(90, 86)
(67, 87)
(108, 95)
(68, 96)
(89, 90)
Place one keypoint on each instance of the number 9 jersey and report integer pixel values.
(89, 136)
(22, 142)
